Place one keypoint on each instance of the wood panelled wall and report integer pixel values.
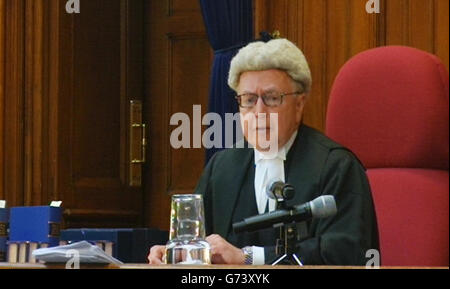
(27, 81)
(66, 81)
(65, 84)
(330, 32)
(178, 64)
(12, 29)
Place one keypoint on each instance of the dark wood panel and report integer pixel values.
(338, 42)
(278, 16)
(36, 102)
(156, 114)
(182, 7)
(186, 90)
(61, 95)
(65, 83)
(100, 218)
(14, 103)
(363, 27)
(96, 99)
(422, 25)
(314, 31)
(441, 24)
(2, 96)
(178, 63)
(294, 11)
(331, 32)
(103, 73)
(56, 48)
(68, 80)
(261, 16)
(133, 78)
(397, 22)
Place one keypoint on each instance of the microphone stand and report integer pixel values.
(285, 246)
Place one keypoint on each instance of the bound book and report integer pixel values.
(32, 228)
(35, 224)
(4, 217)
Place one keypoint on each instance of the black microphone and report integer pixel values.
(321, 207)
(280, 191)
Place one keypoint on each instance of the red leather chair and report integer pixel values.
(390, 106)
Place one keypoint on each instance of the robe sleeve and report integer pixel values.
(342, 239)
(203, 188)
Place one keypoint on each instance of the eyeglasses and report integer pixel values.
(270, 99)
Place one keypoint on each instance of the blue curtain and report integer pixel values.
(229, 24)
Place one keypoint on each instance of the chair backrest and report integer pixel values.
(390, 106)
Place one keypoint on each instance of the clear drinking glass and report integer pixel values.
(187, 244)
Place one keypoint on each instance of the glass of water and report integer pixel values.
(187, 244)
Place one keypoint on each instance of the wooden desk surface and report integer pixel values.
(183, 267)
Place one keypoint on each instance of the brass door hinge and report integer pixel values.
(138, 143)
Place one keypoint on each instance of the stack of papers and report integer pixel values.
(85, 251)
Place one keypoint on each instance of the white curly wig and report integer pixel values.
(274, 54)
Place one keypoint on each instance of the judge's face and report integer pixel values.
(257, 125)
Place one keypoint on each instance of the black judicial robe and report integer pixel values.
(315, 165)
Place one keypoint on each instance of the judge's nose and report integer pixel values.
(260, 107)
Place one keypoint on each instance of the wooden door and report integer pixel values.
(101, 61)
(178, 62)
(66, 82)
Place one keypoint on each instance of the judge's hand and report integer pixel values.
(223, 252)
(155, 257)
